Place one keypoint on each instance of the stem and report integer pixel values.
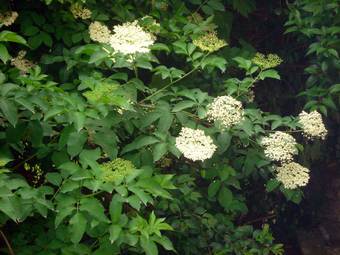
(10, 250)
(57, 191)
(136, 71)
(199, 7)
(32, 156)
(175, 81)
(93, 194)
(169, 84)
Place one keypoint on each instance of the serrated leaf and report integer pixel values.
(272, 184)
(165, 242)
(9, 36)
(183, 105)
(149, 246)
(79, 120)
(9, 110)
(4, 55)
(76, 142)
(114, 231)
(77, 227)
(159, 151)
(115, 209)
(213, 188)
(93, 207)
(54, 178)
(225, 197)
(271, 73)
(140, 142)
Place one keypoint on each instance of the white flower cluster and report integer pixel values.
(79, 11)
(21, 63)
(312, 125)
(130, 38)
(99, 32)
(8, 18)
(226, 111)
(195, 145)
(279, 146)
(292, 175)
(127, 39)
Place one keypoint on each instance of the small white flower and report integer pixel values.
(226, 111)
(79, 11)
(312, 125)
(292, 175)
(195, 145)
(8, 18)
(99, 32)
(279, 146)
(130, 38)
(21, 63)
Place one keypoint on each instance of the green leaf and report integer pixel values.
(25, 103)
(165, 242)
(115, 209)
(46, 39)
(183, 105)
(62, 213)
(77, 227)
(213, 188)
(134, 201)
(35, 41)
(53, 112)
(145, 198)
(334, 88)
(272, 184)
(160, 47)
(225, 197)
(114, 231)
(79, 120)
(30, 30)
(76, 142)
(54, 178)
(4, 55)
(149, 246)
(271, 73)
(9, 110)
(5, 156)
(159, 151)
(140, 142)
(94, 208)
(11, 206)
(165, 121)
(8, 36)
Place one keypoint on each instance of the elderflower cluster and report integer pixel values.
(209, 42)
(130, 38)
(292, 175)
(312, 125)
(99, 32)
(116, 170)
(279, 146)
(226, 111)
(36, 171)
(79, 11)
(266, 62)
(21, 63)
(8, 18)
(194, 144)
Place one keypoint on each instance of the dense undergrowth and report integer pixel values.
(162, 127)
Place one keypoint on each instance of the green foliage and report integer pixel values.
(318, 22)
(88, 156)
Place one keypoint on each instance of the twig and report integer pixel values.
(175, 81)
(10, 250)
(261, 219)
